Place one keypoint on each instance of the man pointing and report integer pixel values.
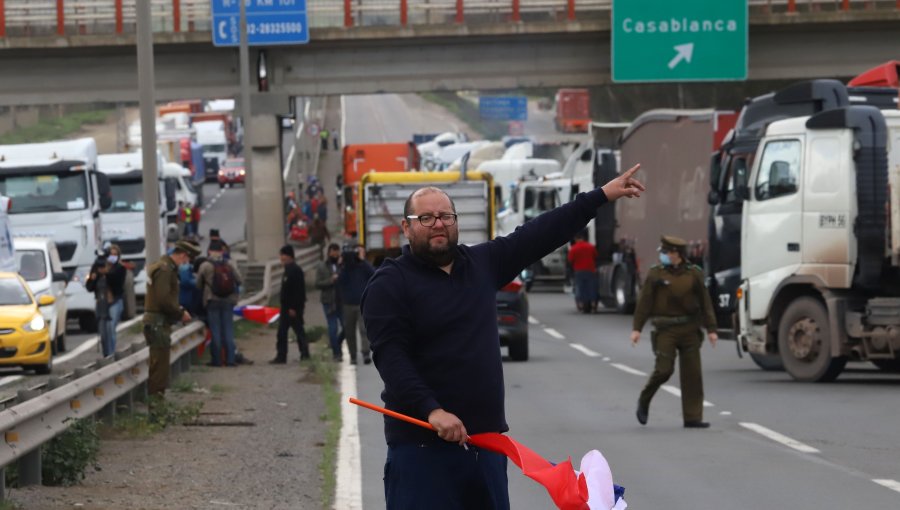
(431, 315)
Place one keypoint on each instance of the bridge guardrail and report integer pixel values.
(24, 18)
(39, 417)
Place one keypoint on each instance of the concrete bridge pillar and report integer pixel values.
(264, 185)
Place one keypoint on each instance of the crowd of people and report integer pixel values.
(306, 220)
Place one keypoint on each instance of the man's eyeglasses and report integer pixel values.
(428, 220)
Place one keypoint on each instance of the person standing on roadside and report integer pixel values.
(218, 280)
(677, 303)
(337, 144)
(326, 282)
(161, 311)
(355, 272)
(431, 316)
(293, 303)
(583, 259)
(324, 134)
(107, 281)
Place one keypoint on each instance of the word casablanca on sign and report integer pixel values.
(675, 26)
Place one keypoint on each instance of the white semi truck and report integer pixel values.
(58, 193)
(123, 222)
(820, 243)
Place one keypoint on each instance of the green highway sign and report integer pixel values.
(679, 40)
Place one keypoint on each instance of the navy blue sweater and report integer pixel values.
(434, 335)
(352, 281)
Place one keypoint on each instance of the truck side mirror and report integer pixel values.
(715, 170)
(742, 192)
(104, 190)
(60, 277)
(713, 198)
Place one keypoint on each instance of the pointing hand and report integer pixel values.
(624, 185)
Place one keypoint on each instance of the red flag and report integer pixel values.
(568, 491)
(261, 314)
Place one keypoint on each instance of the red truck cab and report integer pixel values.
(573, 110)
(360, 159)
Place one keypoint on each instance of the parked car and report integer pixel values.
(24, 333)
(232, 172)
(512, 319)
(37, 261)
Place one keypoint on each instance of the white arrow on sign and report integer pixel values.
(685, 52)
(222, 34)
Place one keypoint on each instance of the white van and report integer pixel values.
(37, 260)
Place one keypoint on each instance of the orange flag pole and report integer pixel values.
(392, 414)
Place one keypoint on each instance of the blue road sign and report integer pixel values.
(269, 22)
(503, 107)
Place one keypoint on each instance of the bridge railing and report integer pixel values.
(26, 18)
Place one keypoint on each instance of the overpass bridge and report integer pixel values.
(59, 51)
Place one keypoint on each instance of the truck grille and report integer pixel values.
(66, 251)
(130, 246)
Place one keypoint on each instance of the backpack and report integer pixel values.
(223, 279)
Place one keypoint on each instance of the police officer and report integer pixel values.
(161, 311)
(676, 302)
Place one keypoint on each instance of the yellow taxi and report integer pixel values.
(24, 334)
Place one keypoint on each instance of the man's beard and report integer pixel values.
(438, 257)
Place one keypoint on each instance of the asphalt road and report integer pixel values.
(391, 118)
(578, 393)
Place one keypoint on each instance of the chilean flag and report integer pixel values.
(261, 314)
(590, 488)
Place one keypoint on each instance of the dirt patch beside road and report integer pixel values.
(257, 444)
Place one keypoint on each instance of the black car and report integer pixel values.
(512, 319)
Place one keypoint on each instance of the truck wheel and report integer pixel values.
(888, 365)
(768, 362)
(518, 350)
(87, 323)
(622, 292)
(804, 338)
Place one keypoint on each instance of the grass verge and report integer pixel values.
(324, 371)
(54, 129)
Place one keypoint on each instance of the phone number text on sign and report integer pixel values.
(274, 28)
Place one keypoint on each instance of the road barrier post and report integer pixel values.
(30, 463)
(516, 14)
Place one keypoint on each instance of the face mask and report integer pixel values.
(112, 259)
(664, 259)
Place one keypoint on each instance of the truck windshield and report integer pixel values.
(214, 148)
(127, 197)
(45, 192)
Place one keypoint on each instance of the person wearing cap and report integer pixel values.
(675, 300)
(293, 302)
(218, 280)
(161, 311)
(215, 236)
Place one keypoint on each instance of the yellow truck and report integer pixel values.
(380, 214)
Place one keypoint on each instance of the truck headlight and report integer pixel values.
(81, 274)
(37, 323)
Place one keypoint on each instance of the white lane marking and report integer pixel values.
(677, 392)
(627, 369)
(606, 359)
(779, 438)
(349, 468)
(532, 320)
(725, 413)
(88, 344)
(584, 350)
(11, 379)
(894, 485)
(555, 334)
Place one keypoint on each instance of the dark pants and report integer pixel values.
(333, 319)
(442, 475)
(158, 335)
(285, 324)
(683, 341)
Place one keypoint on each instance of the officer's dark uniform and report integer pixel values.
(161, 311)
(676, 302)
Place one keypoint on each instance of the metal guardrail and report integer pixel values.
(39, 417)
(24, 18)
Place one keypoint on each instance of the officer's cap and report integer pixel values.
(672, 243)
(187, 247)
